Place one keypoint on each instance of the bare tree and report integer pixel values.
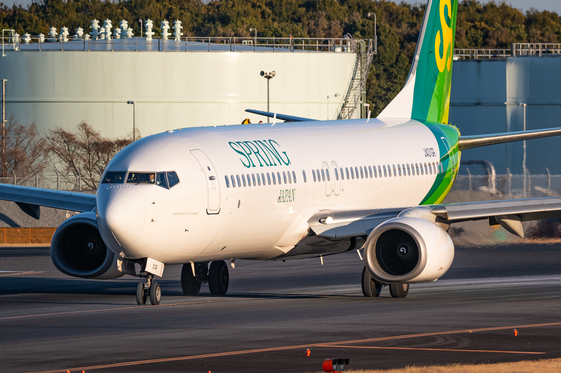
(82, 155)
(24, 154)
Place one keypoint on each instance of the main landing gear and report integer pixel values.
(217, 277)
(148, 289)
(373, 288)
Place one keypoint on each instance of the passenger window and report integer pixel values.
(173, 179)
(314, 175)
(263, 178)
(352, 173)
(284, 177)
(243, 179)
(356, 172)
(408, 170)
(289, 177)
(114, 178)
(342, 173)
(294, 176)
(239, 180)
(274, 180)
(370, 171)
(336, 174)
(399, 170)
(233, 181)
(269, 178)
(227, 182)
(322, 175)
(375, 173)
(278, 177)
(347, 169)
(361, 173)
(380, 171)
(258, 180)
(327, 174)
(385, 173)
(304, 176)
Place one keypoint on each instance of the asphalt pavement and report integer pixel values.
(275, 311)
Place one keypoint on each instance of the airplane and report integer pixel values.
(300, 188)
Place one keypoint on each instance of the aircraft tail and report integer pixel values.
(426, 95)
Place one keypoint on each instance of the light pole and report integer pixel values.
(4, 127)
(133, 103)
(140, 21)
(524, 170)
(255, 38)
(268, 76)
(374, 14)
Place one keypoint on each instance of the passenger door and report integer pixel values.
(213, 186)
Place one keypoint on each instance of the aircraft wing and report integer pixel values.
(286, 118)
(29, 199)
(337, 225)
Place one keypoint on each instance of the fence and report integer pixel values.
(51, 181)
(516, 50)
(26, 235)
(510, 185)
(187, 44)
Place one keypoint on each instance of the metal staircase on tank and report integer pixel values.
(357, 87)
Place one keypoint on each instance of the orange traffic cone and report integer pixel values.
(307, 352)
(515, 332)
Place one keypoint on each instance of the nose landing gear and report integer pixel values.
(148, 289)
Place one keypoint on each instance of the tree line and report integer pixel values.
(491, 25)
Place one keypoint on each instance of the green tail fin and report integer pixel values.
(426, 95)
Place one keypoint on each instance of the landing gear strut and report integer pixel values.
(191, 284)
(217, 277)
(148, 289)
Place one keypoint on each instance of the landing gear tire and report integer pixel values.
(218, 278)
(189, 283)
(399, 290)
(155, 293)
(370, 287)
(141, 294)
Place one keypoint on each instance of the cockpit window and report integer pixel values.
(172, 178)
(114, 178)
(141, 177)
(161, 180)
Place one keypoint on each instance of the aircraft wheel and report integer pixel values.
(189, 283)
(370, 287)
(140, 294)
(155, 293)
(399, 290)
(218, 278)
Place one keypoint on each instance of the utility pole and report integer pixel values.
(133, 103)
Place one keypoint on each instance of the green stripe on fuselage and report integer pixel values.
(447, 138)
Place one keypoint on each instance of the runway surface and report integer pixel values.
(274, 311)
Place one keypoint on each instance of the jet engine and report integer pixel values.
(78, 250)
(408, 250)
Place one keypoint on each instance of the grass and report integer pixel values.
(550, 365)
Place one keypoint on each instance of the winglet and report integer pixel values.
(286, 118)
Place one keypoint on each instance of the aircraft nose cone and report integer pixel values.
(123, 210)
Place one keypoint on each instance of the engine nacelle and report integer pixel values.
(408, 250)
(78, 250)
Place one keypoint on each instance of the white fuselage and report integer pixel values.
(226, 205)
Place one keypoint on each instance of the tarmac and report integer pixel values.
(275, 311)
